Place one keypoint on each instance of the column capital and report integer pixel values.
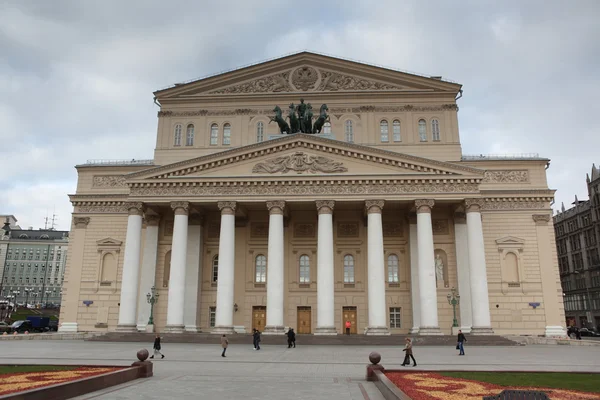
(135, 207)
(473, 205)
(152, 219)
(374, 206)
(227, 207)
(181, 207)
(424, 205)
(81, 222)
(541, 219)
(276, 207)
(325, 206)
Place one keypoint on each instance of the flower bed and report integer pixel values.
(433, 386)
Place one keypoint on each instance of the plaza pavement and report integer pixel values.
(192, 371)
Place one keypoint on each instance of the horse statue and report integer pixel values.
(283, 126)
(308, 119)
(294, 121)
(323, 117)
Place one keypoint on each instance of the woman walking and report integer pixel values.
(408, 353)
(224, 344)
(157, 347)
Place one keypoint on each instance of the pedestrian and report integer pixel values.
(408, 353)
(348, 325)
(224, 344)
(256, 337)
(157, 347)
(460, 343)
(291, 338)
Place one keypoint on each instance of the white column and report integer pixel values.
(176, 301)
(414, 275)
(464, 280)
(480, 302)
(193, 273)
(131, 270)
(427, 286)
(225, 278)
(325, 277)
(148, 272)
(376, 270)
(275, 282)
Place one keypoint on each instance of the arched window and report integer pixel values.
(422, 130)
(215, 269)
(226, 134)
(304, 269)
(392, 263)
(396, 127)
(189, 137)
(349, 130)
(435, 130)
(177, 136)
(214, 134)
(383, 130)
(348, 268)
(327, 127)
(260, 267)
(260, 132)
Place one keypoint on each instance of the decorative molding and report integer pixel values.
(105, 181)
(100, 207)
(303, 230)
(516, 203)
(135, 208)
(393, 229)
(424, 205)
(304, 78)
(347, 229)
(299, 162)
(259, 229)
(440, 227)
(273, 83)
(180, 207)
(227, 207)
(541, 219)
(276, 207)
(325, 206)
(81, 222)
(374, 206)
(506, 176)
(333, 81)
(474, 205)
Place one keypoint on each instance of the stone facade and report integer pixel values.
(372, 221)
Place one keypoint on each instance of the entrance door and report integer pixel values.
(304, 319)
(349, 314)
(259, 317)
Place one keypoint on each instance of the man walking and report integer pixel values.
(291, 338)
(408, 353)
(256, 339)
(460, 344)
(157, 347)
(224, 344)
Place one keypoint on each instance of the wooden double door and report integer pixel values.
(259, 317)
(304, 320)
(349, 314)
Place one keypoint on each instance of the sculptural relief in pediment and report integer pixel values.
(299, 162)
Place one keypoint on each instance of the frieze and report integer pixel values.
(105, 181)
(299, 162)
(214, 113)
(304, 230)
(268, 84)
(107, 208)
(333, 81)
(347, 229)
(440, 227)
(506, 176)
(392, 229)
(259, 229)
(493, 204)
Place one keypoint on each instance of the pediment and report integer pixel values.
(510, 241)
(108, 242)
(303, 155)
(307, 72)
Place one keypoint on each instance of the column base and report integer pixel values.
(325, 330)
(68, 327)
(149, 328)
(414, 330)
(465, 329)
(377, 331)
(174, 329)
(223, 330)
(430, 331)
(141, 327)
(192, 328)
(482, 330)
(274, 330)
(555, 331)
(126, 328)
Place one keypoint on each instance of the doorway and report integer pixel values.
(349, 314)
(259, 317)
(304, 320)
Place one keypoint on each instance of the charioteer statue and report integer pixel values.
(301, 119)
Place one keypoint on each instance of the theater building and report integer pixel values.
(374, 219)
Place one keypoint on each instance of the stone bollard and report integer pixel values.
(145, 366)
(375, 358)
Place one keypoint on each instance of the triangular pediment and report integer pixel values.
(108, 242)
(510, 240)
(303, 155)
(307, 73)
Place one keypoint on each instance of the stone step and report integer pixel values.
(348, 340)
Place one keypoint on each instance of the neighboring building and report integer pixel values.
(33, 265)
(578, 245)
(374, 220)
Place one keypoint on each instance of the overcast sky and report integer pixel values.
(76, 77)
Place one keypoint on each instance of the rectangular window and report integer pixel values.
(304, 269)
(395, 317)
(212, 312)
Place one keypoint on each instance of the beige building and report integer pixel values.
(373, 220)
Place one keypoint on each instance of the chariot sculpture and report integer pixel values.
(301, 119)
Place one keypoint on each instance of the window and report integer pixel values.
(260, 268)
(177, 141)
(348, 269)
(260, 132)
(395, 317)
(212, 312)
(422, 130)
(214, 134)
(304, 269)
(215, 268)
(393, 268)
(349, 130)
(435, 130)
(327, 127)
(226, 134)
(189, 136)
(396, 131)
(383, 130)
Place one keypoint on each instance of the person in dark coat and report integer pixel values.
(408, 353)
(291, 335)
(157, 347)
(460, 343)
(256, 339)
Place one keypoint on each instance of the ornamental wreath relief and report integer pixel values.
(299, 162)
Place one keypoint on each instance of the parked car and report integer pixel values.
(21, 326)
(588, 332)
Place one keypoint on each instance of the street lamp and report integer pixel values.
(35, 295)
(16, 298)
(454, 300)
(27, 290)
(47, 296)
(152, 298)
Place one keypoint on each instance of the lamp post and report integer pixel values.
(16, 298)
(152, 298)
(27, 290)
(35, 295)
(454, 300)
(48, 292)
